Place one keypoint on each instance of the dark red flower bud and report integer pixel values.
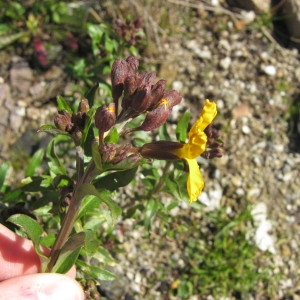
(105, 118)
(156, 117)
(160, 150)
(173, 97)
(63, 120)
(157, 92)
(119, 73)
(130, 86)
(133, 64)
(108, 152)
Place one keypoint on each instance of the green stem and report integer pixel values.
(79, 162)
(161, 181)
(70, 217)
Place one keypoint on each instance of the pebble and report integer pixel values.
(246, 129)
(269, 70)
(225, 63)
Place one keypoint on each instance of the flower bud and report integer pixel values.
(137, 94)
(119, 74)
(108, 152)
(173, 97)
(156, 117)
(157, 92)
(63, 120)
(105, 118)
(133, 64)
(84, 106)
(161, 150)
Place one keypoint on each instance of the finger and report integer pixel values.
(18, 257)
(46, 286)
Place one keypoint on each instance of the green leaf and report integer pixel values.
(9, 39)
(151, 210)
(69, 253)
(95, 272)
(90, 95)
(88, 189)
(182, 127)
(54, 164)
(89, 203)
(163, 133)
(52, 130)
(96, 156)
(63, 105)
(31, 227)
(4, 168)
(88, 133)
(115, 180)
(34, 162)
(96, 32)
(12, 195)
(113, 136)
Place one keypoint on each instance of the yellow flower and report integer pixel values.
(195, 146)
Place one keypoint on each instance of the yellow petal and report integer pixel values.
(207, 115)
(195, 181)
(197, 138)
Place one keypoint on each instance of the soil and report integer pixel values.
(229, 58)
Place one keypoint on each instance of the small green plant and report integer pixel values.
(223, 261)
(67, 33)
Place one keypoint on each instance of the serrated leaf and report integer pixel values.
(63, 105)
(182, 127)
(69, 253)
(31, 227)
(34, 162)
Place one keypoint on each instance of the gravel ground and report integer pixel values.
(254, 83)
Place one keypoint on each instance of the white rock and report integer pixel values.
(269, 70)
(225, 63)
(263, 240)
(246, 129)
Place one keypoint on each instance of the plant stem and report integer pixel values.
(70, 217)
(161, 181)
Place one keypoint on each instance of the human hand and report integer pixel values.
(19, 265)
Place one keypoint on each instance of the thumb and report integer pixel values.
(46, 286)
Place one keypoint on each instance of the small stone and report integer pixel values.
(225, 63)
(240, 111)
(246, 129)
(269, 70)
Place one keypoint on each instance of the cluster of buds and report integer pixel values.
(121, 156)
(213, 145)
(135, 93)
(129, 30)
(73, 124)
